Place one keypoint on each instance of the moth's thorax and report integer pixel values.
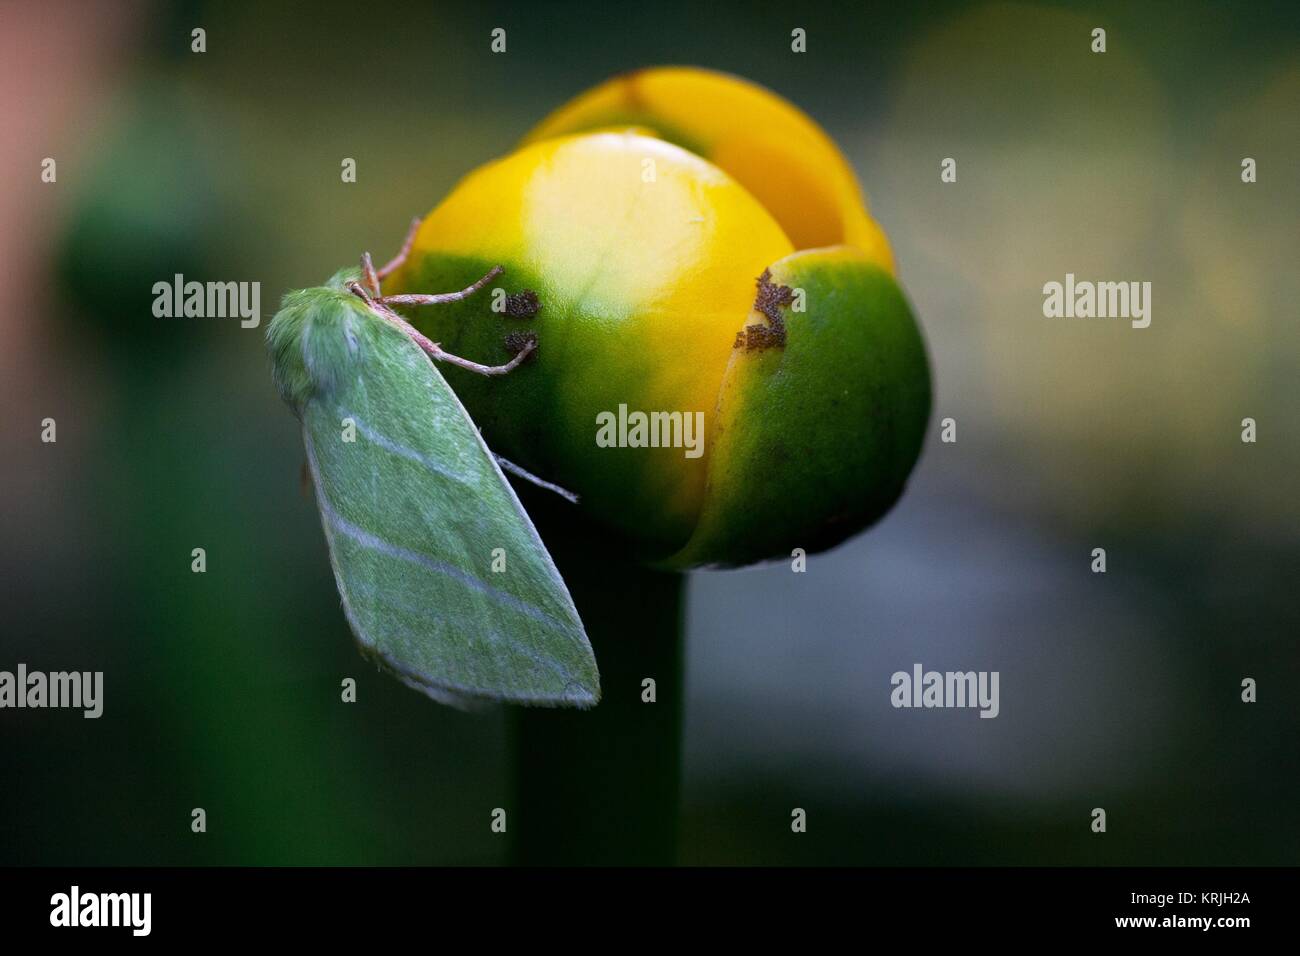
(317, 336)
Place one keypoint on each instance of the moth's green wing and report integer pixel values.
(417, 513)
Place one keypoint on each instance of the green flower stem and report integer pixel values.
(600, 786)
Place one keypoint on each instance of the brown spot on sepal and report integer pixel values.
(516, 342)
(523, 305)
(758, 337)
(771, 298)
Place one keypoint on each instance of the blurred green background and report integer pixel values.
(1118, 690)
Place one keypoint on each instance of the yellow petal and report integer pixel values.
(767, 144)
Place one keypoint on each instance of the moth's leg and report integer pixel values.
(508, 465)
(368, 272)
(443, 356)
(397, 260)
(431, 348)
(305, 484)
(438, 353)
(417, 299)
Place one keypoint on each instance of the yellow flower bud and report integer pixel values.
(788, 377)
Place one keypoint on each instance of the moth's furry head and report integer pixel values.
(316, 337)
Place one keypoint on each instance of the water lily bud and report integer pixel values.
(715, 392)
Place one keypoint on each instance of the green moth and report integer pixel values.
(443, 578)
